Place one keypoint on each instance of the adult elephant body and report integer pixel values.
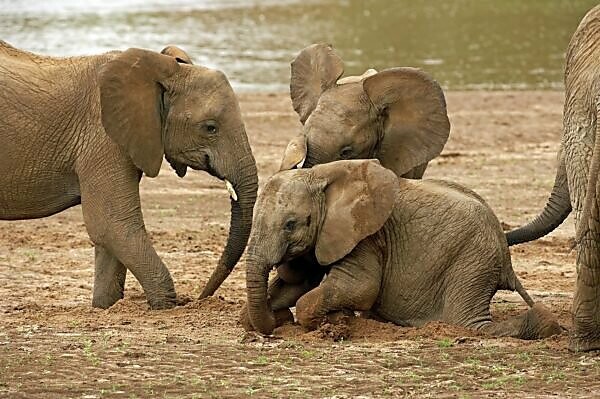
(408, 251)
(397, 115)
(577, 184)
(85, 129)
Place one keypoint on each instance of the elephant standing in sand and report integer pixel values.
(408, 251)
(397, 115)
(82, 130)
(577, 184)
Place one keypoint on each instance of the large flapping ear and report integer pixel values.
(130, 98)
(314, 70)
(295, 153)
(359, 198)
(180, 56)
(416, 125)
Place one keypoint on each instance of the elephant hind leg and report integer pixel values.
(537, 323)
(109, 279)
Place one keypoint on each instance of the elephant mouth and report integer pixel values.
(196, 162)
(180, 168)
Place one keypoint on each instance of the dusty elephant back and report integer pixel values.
(48, 85)
(46, 95)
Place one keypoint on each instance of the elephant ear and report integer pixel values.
(295, 153)
(131, 103)
(314, 70)
(359, 198)
(180, 56)
(415, 120)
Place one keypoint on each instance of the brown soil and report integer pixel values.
(53, 344)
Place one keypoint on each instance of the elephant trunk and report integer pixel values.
(246, 187)
(259, 310)
(314, 155)
(555, 212)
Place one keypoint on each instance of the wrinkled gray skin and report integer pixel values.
(408, 251)
(397, 115)
(577, 185)
(82, 130)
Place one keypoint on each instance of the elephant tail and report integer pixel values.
(555, 212)
(509, 281)
(523, 292)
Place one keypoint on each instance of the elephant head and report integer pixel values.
(155, 106)
(327, 209)
(397, 115)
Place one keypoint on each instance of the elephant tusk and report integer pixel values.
(231, 190)
(299, 165)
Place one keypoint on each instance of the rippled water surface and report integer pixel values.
(465, 44)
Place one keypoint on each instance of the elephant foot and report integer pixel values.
(105, 301)
(580, 344)
(167, 301)
(585, 336)
(109, 279)
(539, 323)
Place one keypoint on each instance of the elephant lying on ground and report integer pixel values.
(84, 129)
(397, 115)
(408, 251)
(577, 186)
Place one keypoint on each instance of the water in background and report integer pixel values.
(465, 44)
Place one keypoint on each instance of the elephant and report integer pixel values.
(406, 251)
(576, 185)
(83, 130)
(397, 115)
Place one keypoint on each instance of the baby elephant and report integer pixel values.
(408, 251)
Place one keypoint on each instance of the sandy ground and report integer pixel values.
(53, 344)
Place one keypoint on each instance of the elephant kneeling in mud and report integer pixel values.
(83, 130)
(407, 251)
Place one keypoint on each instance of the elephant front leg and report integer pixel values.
(109, 279)
(352, 284)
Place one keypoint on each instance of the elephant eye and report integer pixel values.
(346, 152)
(289, 225)
(210, 127)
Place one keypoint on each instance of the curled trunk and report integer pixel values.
(259, 310)
(246, 187)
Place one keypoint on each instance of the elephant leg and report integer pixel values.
(538, 322)
(586, 303)
(283, 296)
(113, 218)
(109, 279)
(352, 284)
(136, 252)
